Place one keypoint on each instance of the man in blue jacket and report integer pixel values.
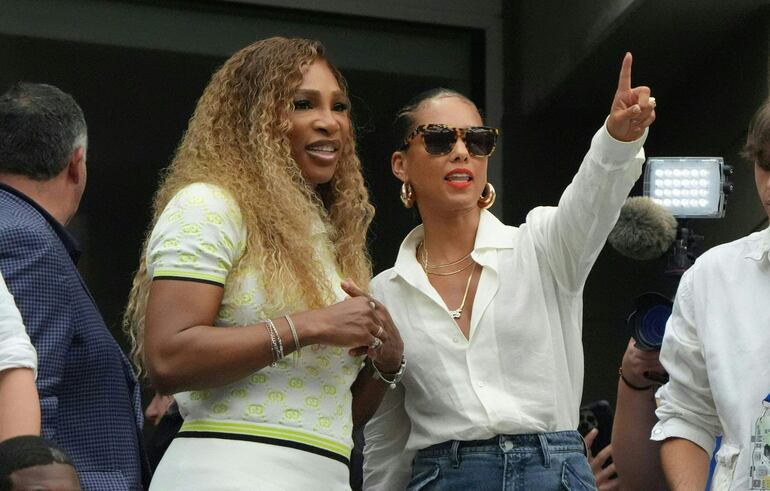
(89, 395)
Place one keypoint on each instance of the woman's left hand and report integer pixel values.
(633, 110)
(388, 355)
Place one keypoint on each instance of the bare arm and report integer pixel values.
(19, 404)
(637, 458)
(19, 400)
(184, 351)
(685, 464)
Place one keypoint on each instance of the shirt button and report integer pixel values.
(657, 431)
(455, 340)
(480, 384)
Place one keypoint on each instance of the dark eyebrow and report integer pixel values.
(316, 93)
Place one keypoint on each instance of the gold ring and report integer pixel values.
(376, 343)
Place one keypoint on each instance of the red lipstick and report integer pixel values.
(459, 178)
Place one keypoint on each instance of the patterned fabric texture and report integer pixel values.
(89, 395)
(200, 236)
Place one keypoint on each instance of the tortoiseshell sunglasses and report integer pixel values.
(439, 139)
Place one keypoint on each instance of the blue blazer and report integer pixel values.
(89, 396)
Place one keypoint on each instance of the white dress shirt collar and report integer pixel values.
(492, 234)
(759, 245)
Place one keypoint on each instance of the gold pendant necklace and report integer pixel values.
(456, 313)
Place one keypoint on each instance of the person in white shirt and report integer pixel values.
(715, 351)
(490, 314)
(19, 403)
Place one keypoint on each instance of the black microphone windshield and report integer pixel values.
(645, 230)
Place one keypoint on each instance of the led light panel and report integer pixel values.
(688, 187)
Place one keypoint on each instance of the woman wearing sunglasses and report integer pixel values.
(237, 307)
(491, 314)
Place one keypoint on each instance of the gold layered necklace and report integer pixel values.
(422, 255)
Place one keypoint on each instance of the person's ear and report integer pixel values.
(398, 165)
(76, 169)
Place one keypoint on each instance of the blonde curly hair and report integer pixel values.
(238, 139)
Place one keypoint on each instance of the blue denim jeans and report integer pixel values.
(541, 462)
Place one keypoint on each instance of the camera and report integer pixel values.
(648, 321)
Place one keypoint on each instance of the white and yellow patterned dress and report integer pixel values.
(283, 427)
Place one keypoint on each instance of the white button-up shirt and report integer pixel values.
(16, 351)
(521, 370)
(717, 352)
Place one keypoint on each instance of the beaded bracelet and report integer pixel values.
(395, 377)
(629, 384)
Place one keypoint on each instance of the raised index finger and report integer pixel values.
(624, 82)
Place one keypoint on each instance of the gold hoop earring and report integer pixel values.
(485, 202)
(407, 195)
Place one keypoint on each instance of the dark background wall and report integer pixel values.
(544, 70)
(137, 100)
(707, 64)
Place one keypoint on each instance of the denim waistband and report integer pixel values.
(523, 457)
(556, 441)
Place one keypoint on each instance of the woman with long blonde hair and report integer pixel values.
(238, 307)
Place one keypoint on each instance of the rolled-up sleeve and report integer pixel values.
(16, 350)
(685, 404)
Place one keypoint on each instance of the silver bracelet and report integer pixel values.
(297, 346)
(275, 342)
(394, 377)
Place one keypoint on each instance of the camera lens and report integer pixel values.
(652, 327)
(648, 321)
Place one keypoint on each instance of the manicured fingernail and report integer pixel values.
(636, 109)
